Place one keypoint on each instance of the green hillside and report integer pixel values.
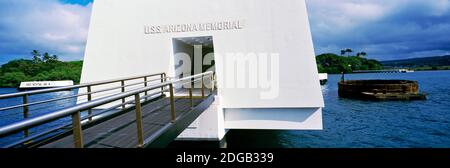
(44, 67)
(333, 64)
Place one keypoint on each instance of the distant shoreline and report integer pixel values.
(406, 68)
(420, 64)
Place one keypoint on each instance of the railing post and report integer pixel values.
(89, 96)
(212, 83)
(190, 93)
(172, 104)
(203, 87)
(163, 79)
(145, 85)
(123, 90)
(77, 130)
(140, 132)
(25, 113)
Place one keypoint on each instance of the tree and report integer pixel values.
(40, 68)
(361, 54)
(348, 50)
(332, 63)
(50, 59)
(343, 52)
(36, 56)
(12, 79)
(55, 57)
(46, 57)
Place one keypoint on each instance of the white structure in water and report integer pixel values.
(44, 84)
(263, 54)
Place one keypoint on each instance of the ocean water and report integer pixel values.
(15, 115)
(347, 123)
(365, 124)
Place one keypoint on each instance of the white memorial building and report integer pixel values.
(261, 51)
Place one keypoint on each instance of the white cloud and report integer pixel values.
(345, 14)
(384, 28)
(440, 7)
(45, 25)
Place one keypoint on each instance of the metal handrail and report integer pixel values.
(75, 111)
(78, 95)
(28, 93)
(102, 112)
(25, 95)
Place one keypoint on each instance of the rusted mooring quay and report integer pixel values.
(380, 90)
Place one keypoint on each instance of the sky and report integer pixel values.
(385, 29)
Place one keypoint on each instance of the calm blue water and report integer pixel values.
(347, 123)
(15, 115)
(353, 123)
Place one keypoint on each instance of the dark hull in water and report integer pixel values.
(384, 90)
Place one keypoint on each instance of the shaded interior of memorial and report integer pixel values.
(198, 53)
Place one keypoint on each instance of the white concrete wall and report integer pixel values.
(274, 119)
(209, 126)
(118, 47)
